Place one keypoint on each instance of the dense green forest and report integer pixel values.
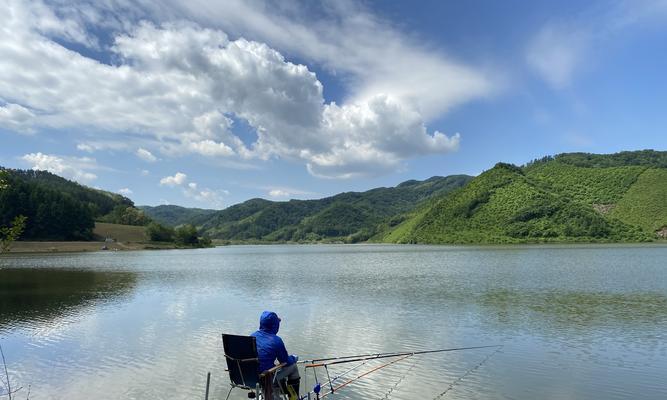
(171, 215)
(349, 217)
(55, 208)
(126, 215)
(568, 197)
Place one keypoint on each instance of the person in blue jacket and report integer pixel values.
(271, 347)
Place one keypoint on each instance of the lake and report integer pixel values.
(584, 322)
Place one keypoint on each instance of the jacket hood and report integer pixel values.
(269, 322)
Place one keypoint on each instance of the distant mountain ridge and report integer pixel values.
(349, 216)
(172, 215)
(567, 197)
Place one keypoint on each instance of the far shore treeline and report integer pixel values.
(55, 209)
(572, 197)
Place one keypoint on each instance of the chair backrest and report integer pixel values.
(242, 361)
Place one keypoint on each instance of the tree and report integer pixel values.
(126, 215)
(187, 235)
(159, 233)
(9, 234)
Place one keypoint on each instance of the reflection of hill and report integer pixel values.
(577, 310)
(29, 296)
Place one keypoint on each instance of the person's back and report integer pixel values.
(271, 347)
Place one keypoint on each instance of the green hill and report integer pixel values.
(56, 208)
(350, 216)
(572, 197)
(172, 215)
(569, 197)
(645, 203)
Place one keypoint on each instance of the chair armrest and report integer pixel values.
(272, 370)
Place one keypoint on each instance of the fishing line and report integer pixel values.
(335, 377)
(364, 374)
(364, 358)
(468, 372)
(391, 390)
(348, 371)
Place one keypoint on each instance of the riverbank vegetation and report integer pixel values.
(52, 213)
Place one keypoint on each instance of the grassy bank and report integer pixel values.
(57, 247)
(122, 237)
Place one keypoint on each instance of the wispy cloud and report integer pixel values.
(561, 47)
(146, 155)
(556, 52)
(17, 118)
(286, 192)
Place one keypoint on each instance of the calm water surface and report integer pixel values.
(585, 322)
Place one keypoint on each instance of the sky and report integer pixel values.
(208, 104)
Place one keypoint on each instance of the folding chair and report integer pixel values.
(243, 366)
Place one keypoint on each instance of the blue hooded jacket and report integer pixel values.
(269, 345)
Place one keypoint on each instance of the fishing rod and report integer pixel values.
(321, 362)
(331, 389)
(342, 385)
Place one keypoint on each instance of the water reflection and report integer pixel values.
(34, 297)
(578, 310)
(576, 322)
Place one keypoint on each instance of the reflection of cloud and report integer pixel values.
(575, 310)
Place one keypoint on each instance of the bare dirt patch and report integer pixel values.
(603, 208)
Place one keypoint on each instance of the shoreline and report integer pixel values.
(82, 247)
(26, 247)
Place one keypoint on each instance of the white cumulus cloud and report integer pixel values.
(279, 193)
(178, 179)
(174, 86)
(69, 167)
(210, 197)
(125, 191)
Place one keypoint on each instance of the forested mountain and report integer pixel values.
(350, 216)
(55, 208)
(568, 197)
(172, 215)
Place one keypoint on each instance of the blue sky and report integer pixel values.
(207, 105)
